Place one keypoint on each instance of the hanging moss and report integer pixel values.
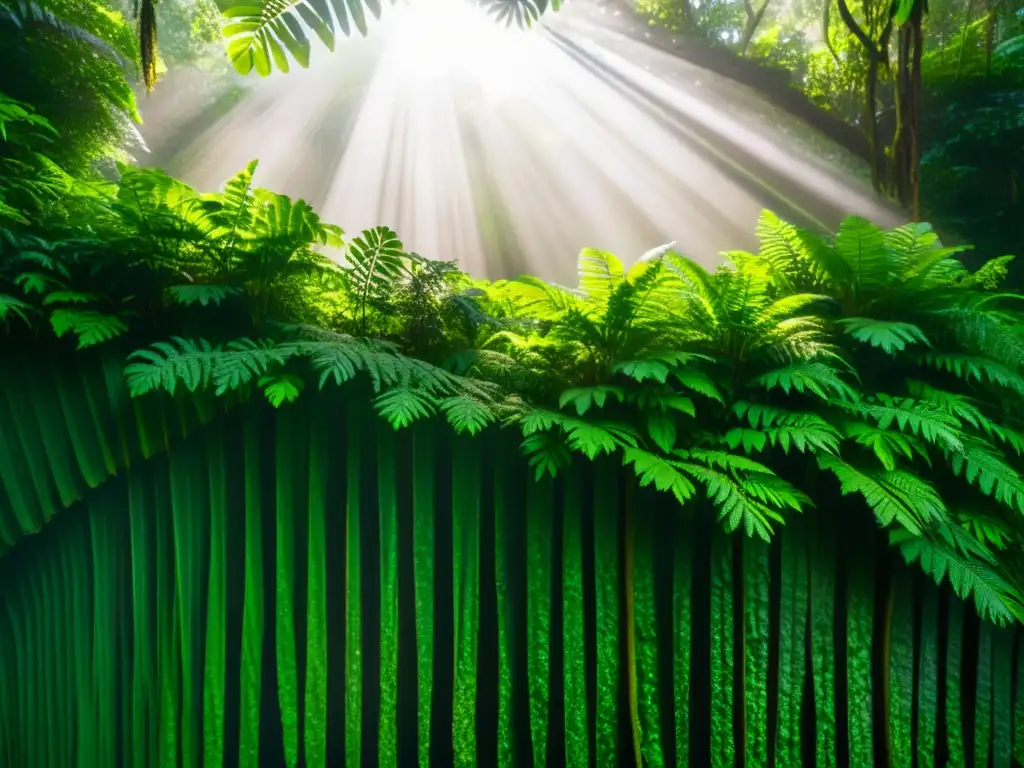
(793, 607)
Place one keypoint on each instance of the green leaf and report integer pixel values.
(466, 414)
(660, 471)
(547, 453)
(889, 336)
(10, 306)
(281, 388)
(91, 327)
(584, 398)
(402, 406)
(699, 382)
(204, 295)
(662, 430)
(893, 495)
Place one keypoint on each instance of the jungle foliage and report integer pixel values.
(867, 370)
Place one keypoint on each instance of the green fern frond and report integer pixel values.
(13, 307)
(34, 282)
(466, 414)
(982, 467)
(889, 336)
(281, 388)
(971, 367)
(89, 326)
(600, 273)
(661, 429)
(585, 398)
(659, 471)
(402, 406)
(814, 378)
(699, 382)
(993, 597)
(538, 420)
(166, 364)
(243, 360)
(918, 417)
(204, 295)
(892, 495)
(661, 400)
(594, 438)
(546, 453)
(887, 445)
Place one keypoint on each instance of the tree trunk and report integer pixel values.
(905, 160)
(877, 53)
(753, 21)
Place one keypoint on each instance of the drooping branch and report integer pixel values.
(858, 32)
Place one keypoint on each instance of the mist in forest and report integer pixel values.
(508, 150)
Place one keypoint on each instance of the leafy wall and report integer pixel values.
(307, 586)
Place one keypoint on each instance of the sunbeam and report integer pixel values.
(509, 150)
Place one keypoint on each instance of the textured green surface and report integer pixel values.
(723, 745)
(314, 726)
(682, 582)
(117, 633)
(539, 542)
(792, 643)
(387, 491)
(1002, 708)
(901, 676)
(983, 698)
(502, 528)
(577, 731)
(954, 660)
(927, 680)
(287, 483)
(645, 617)
(215, 673)
(609, 614)
(354, 445)
(860, 605)
(756, 650)
(823, 653)
(253, 608)
(423, 468)
(466, 509)
(1018, 701)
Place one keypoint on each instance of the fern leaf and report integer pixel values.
(12, 307)
(281, 388)
(91, 327)
(402, 406)
(204, 295)
(466, 414)
(808, 378)
(889, 336)
(662, 430)
(165, 364)
(546, 453)
(585, 398)
(893, 495)
(659, 471)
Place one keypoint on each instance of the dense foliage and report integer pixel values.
(870, 370)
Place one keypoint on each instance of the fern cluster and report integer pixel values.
(870, 370)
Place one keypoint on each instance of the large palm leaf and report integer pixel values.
(268, 35)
